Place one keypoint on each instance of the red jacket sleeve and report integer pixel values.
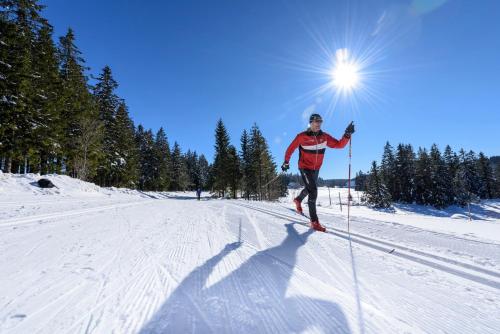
(293, 146)
(334, 143)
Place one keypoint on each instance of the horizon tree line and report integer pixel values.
(429, 177)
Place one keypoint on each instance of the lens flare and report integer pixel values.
(345, 73)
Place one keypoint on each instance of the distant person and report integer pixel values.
(198, 193)
(312, 144)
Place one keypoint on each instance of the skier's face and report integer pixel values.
(316, 125)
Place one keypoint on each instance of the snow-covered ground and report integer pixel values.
(82, 259)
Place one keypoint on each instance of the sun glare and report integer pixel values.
(345, 73)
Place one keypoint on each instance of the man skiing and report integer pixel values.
(312, 144)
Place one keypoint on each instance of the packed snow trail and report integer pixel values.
(492, 278)
(175, 264)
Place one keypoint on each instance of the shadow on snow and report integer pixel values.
(251, 299)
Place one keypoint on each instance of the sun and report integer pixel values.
(345, 74)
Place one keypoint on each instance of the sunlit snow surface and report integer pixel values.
(82, 259)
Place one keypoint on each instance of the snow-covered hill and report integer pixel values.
(82, 259)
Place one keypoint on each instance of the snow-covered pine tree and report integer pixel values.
(107, 103)
(376, 193)
(8, 36)
(124, 171)
(21, 21)
(9, 82)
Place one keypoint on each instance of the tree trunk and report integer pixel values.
(43, 163)
(8, 165)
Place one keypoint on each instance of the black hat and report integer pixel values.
(315, 117)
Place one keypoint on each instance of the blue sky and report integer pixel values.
(431, 76)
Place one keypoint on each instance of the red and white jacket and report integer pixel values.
(312, 148)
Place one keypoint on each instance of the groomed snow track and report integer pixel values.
(451, 266)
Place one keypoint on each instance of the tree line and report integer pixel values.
(249, 172)
(429, 177)
(54, 121)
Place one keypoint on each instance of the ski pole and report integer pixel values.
(349, 189)
(274, 179)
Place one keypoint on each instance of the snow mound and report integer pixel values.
(21, 186)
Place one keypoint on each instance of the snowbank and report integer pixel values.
(485, 223)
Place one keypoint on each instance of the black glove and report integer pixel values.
(285, 166)
(349, 130)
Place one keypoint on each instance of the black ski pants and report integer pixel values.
(310, 177)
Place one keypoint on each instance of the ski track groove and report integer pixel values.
(154, 275)
(230, 266)
(428, 263)
(305, 277)
(83, 283)
(407, 227)
(104, 281)
(9, 223)
(305, 248)
(134, 278)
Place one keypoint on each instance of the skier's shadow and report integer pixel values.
(251, 299)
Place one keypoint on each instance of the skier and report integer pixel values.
(198, 193)
(312, 144)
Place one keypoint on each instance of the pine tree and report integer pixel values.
(405, 172)
(78, 109)
(107, 103)
(360, 181)
(423, 181)
(263, 168)
(376, 193)
(180, 177)
(487, 189)
(234, 170)
(221, 180)
(193, 170)
(466, 179)
(124, 171)
(47, 101)
(21, 21)
(246, 164)
(440, 180)
(452, 163)
(9, 85)
(388, 169)
(163, 159)
(497, 181)
(145, 144)
(204, 167)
